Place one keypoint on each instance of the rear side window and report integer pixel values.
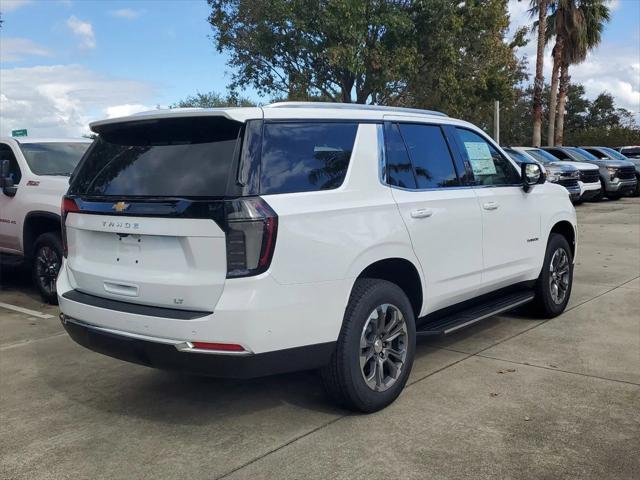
(181, 157)
(432, 161)
(305, 156)
(399, 167)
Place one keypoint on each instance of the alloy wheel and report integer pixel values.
(383, 347)
(47, 267)
(559, 270)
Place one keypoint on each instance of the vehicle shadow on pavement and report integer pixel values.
(101, 383)
(17, 279)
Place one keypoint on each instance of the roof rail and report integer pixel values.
(353, 106)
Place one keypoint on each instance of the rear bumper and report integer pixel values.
(166, 356)
(258, 313)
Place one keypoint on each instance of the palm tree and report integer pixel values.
(589, 22)
(541, 7)
(559, 24)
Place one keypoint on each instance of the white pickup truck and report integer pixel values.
(34, 175)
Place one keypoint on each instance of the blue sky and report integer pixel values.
(67, 62)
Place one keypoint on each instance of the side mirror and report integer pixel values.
(532, 174)
(6, 180)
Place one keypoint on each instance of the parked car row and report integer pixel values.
(588, 173)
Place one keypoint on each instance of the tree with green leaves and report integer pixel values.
(464, 61)
(212, 100)
(593, 14)
(336, 50)
(577, 26)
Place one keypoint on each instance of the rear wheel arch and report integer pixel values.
(35, 224)
(401, 272)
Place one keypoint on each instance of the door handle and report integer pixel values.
(491, 206)
(421, 213)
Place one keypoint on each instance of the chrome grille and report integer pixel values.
(589, 176)
(626, 173)
(568, 183)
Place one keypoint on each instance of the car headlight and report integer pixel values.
(575, 175)
(613, 171)
(553, 175)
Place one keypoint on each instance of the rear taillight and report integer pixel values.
(68, 205)
(251, 227)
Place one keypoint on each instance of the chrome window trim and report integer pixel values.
(382, 155)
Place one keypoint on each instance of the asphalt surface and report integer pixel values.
(513, 397)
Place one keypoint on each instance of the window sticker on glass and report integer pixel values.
(480, 158)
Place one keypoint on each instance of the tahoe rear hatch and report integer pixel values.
(156, 214)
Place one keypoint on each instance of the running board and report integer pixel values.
(466, 318)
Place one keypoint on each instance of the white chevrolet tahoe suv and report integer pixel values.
(243, 242)
(34, 175)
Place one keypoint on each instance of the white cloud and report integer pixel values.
(610, 67)
(61, 100)
(84, 30)
(126, 13)
(126, 109)
(10, 5)
(14, 49)
(519, 15)
(613, 69)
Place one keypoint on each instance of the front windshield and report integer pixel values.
(542, 156)
(614, 153)
(53, 158)
(583, 154)
(516, 155)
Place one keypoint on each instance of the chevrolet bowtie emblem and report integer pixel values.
(120, 206)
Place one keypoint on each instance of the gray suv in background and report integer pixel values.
(617, 177)
(609, 153)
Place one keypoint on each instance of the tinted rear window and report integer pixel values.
(182, 157)
(303, 157)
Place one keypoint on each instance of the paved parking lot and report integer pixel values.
(510, 398)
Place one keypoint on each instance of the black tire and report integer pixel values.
(45, 265)
(614, 196)
(343, 378)
(544, 303)
(636, 192)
